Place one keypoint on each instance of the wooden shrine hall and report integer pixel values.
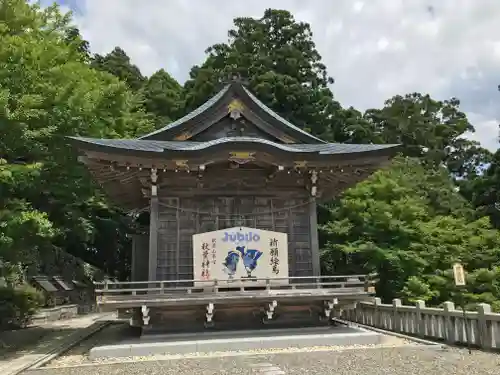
(232, 190)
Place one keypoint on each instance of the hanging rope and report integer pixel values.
(146, 208)
(236, 215)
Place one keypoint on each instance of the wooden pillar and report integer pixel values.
(133, 270)
(153, 228)
(313, 225)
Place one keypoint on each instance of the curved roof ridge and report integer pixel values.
(272, 113)
(209, 103)
(146, 145)
(214, 99)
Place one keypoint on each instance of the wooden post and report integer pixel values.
(313, 223)
(133, 271)
(460, 284)
(153, 228)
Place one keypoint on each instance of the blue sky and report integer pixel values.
(374, 48)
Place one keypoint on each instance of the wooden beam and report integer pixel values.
(211, 156)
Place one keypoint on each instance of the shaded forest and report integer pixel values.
(436, 204)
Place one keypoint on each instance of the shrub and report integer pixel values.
(18, 305)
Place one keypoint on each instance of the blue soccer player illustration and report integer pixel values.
(250, 258)
(231, 263)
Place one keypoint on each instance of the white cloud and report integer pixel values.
(486, 130)
(374, 49)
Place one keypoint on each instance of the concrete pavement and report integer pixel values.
(60, 333)
(209, 342)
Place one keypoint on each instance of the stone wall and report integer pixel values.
(445, 324)
(60, 313)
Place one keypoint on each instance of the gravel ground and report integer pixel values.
(400, 360)
(108, 336)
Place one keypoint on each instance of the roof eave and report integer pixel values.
(86, 145)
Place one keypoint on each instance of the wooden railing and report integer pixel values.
(361, 283)
(446, 324)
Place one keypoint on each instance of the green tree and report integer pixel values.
(74, 37)
(47, 92)
(484, 190)
(429, 129)
(23, 229)
(163, 97)
(278, 57)
(118, 64)
(407, 223)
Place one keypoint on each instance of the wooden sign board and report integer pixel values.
(459, 274)
(240, 254)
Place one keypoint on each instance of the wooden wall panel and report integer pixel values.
(228, 127)
(203, 214)
(140, 257)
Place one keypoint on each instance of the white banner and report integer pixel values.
(240, 254)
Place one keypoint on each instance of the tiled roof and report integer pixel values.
(191, 114)
(63, 284)
(270, 112)
(44, 283)
(215, 99)
(161, 146)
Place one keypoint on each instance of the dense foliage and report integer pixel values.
(18, 305)
(409, 222)
(48, 91)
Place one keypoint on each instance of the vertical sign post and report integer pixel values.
(459, 277)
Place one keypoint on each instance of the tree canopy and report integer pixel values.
(438, 203)
(406, 223)
(278, 57)
(49, 91)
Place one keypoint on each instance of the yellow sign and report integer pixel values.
(459, 274)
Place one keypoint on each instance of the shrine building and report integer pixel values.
(232, 164)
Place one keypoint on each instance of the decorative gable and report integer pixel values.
(233, 112)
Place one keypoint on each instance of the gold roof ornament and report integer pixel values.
(287, 139)
(184, 136)
(241, 157)
(235, 108)
(181, 163)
